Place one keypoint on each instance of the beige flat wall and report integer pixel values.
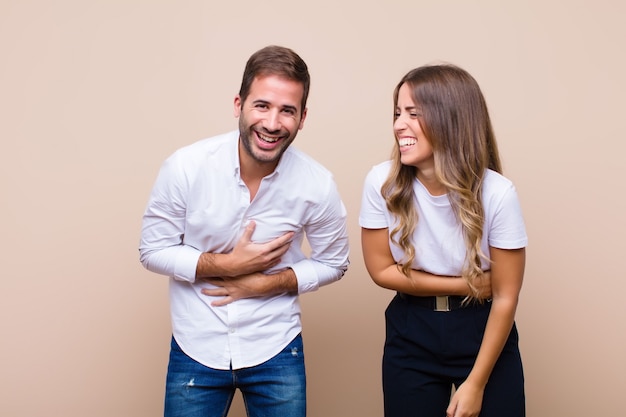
(95, 94)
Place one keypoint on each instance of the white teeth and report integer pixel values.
(406, 142)
(268, 139)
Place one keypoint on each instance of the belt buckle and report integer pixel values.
(442, 303)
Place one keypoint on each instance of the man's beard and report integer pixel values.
(246, 134)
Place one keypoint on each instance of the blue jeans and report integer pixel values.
(276, 388)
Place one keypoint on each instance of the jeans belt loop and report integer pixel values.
(442, 303)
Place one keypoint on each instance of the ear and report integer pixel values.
(301, 125)
(237, 108)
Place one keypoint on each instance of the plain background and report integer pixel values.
(94, 95)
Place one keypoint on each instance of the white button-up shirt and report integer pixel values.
(199, 203)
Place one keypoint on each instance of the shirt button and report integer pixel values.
(232, 330)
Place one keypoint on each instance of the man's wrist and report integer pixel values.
(286, 281)
(213, 265)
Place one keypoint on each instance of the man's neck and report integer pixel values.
(252, 171)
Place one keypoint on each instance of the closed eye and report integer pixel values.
(290, 110)
(412, 115)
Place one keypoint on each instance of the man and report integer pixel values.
(226, 220)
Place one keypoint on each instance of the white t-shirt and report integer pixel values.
(438, 238)
(199, 203)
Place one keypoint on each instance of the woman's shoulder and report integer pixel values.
(497, 188)
(384, 165)
(378, 172)
(495, 180)
(381, 167)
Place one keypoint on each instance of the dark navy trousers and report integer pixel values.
(427, 353)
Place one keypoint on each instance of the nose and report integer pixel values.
(272, 121)
(399, 124)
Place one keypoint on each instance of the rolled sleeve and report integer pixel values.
(311, 275)
(327, 236)
(179, 262)
(161, 249)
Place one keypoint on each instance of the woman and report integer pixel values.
(443, 228)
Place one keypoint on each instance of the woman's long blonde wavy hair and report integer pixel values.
(454, 118)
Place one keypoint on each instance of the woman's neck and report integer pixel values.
(430, 181)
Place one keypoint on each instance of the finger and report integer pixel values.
(451, 410)
(215, 292)
(275, 262)
(280, 251)
(247, 232)
(222, 301)
(281, 242)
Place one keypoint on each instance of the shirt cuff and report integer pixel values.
(186, 263)
(313, 274)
